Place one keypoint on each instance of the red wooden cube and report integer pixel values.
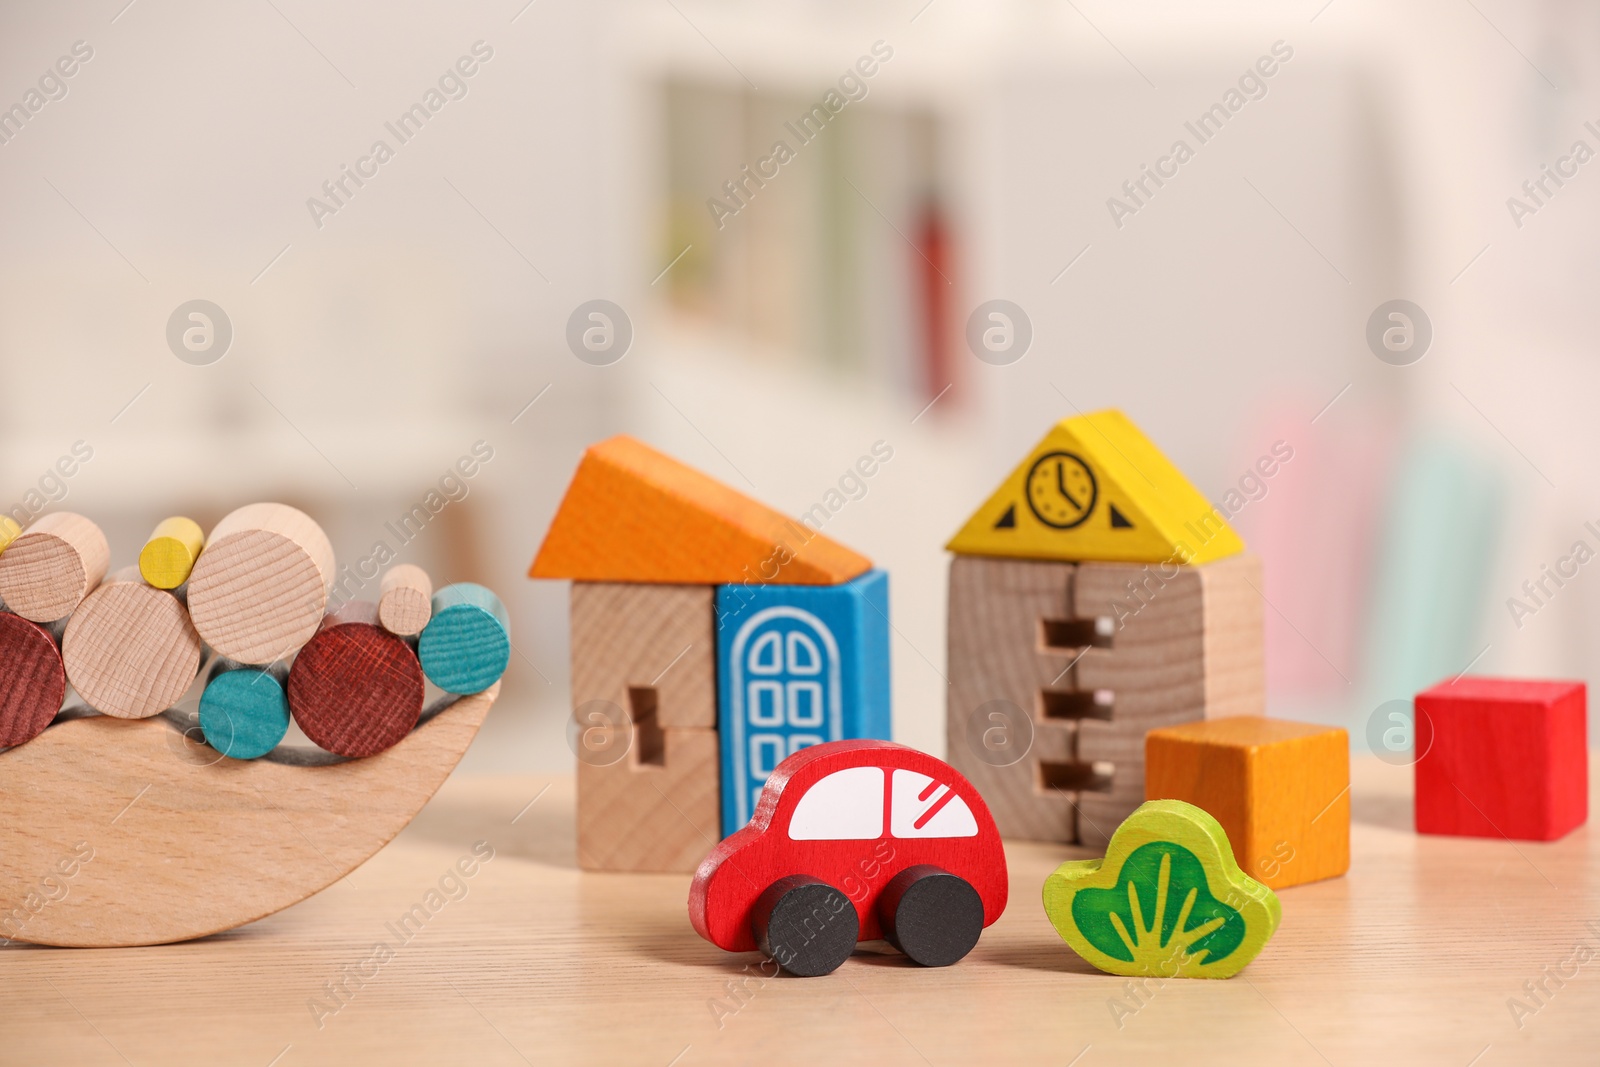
(1502, 757)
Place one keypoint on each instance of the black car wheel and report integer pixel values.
(806, 925)
(931, 915)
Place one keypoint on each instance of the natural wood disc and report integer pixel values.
(129, 649)
(355, 689)
(405, 603)
(32, 680)
(260, 586)
(53, 565)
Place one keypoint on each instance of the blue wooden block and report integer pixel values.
(244, 711)
(797, 665)
(466, 645)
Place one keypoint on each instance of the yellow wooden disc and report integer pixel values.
(169, 555)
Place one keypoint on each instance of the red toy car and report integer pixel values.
(854, 841)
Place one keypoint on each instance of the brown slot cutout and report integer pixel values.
(1071, 634)
(649, 740)
(1059, 704)
(1075, 777)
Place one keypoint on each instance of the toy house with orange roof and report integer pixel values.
(711, 638)
(1096, 595)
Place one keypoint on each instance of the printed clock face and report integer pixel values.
(1061, 490)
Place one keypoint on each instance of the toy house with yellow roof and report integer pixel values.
(1094, 596)
(711, 638)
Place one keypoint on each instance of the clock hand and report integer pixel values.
(1061, 484)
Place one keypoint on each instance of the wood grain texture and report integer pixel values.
(355, 689)
(129, 649)
(260, 586)
(249, 838)
(1502, 757)
(169, 553)
(853, 815)
(1095, 655)
(632, 514)
(1167, 901)
(244, 711)
(636, 815)
(995, 732)
(1188, 645)
(405, 600)
(574, 967)
(53, 565)
(1279, 789)
(466, 645)
(33, 681)
(633, 636)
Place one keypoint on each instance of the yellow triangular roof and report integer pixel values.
(1096, 488)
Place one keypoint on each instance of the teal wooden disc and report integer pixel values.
(244, 713)
(467, 644)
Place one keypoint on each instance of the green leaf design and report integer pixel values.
(1168, 899)
(1160, 911)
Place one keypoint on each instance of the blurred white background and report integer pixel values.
(374, 345)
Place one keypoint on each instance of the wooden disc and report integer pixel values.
(52, 566)
(405, 603)
(356, 689)
(244, 711)
(467, 644)
(33, 682)
(260, 586)
(169, 554)
(129, 649)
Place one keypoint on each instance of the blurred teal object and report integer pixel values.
(1435, 557)
(467, 644)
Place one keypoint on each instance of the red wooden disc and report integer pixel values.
(33, 681)
(355, 689)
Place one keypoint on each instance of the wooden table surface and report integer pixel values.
(1412, 958)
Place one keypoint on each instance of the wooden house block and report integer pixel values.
(1503, 758)
(798, 665)
(1280, 789)
(632, 514)
(655, 809)
(1096, 488)
(1095, 654)
(649, 649)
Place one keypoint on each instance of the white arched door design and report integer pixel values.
(786, 694)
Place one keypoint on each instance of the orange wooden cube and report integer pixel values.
(1280, 789)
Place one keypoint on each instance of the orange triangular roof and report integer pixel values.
(632, 514)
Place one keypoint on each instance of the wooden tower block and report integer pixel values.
(1280, 789)
(1001, 669)
(1187, 644)
(1096, 654)
(650, 652)
(129, 648)
(1502, 757)
(260, 587)
(52, 565)
(33, 682)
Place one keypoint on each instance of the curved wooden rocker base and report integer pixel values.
(184, 843)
